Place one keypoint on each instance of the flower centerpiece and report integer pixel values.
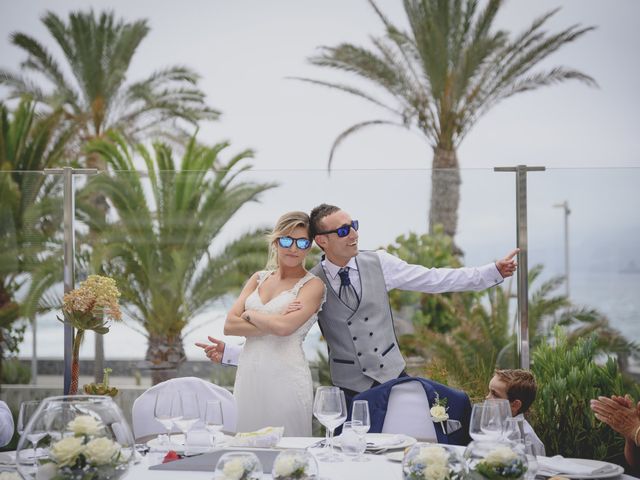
(426, 461)
(294, 465)
(238, 466)
(496, 461)
(90, 306)
(86, 438)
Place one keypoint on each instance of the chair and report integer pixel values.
(408, 412)
(145, 424)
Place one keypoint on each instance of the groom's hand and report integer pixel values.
(508, 264)
(214, 351)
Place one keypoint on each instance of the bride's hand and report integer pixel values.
(292, 307)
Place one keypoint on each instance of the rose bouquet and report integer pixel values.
(425, 461)
(294, 465)
(84, 454)
(238, 466)
(496, 461)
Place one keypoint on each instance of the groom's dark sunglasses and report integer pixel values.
(344, 230)
(301, 243)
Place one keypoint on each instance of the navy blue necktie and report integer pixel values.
(347, 293)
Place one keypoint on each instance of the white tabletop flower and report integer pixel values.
(67, 450)
(101, 451)
(85, 425)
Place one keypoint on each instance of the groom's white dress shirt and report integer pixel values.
(405, 276)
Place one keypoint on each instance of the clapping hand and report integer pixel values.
(508, 264)
(619, 413)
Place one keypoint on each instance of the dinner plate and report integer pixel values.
(377, 441)
(177, 443)
(615, 470)
(395, 456)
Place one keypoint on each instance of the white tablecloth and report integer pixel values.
(378, 468)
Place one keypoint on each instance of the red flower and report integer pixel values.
(171, 456)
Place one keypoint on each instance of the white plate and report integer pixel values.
(380, 440)
(616, 469)
(395, 456)
(177, 443)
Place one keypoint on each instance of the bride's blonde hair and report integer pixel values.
(286, 224)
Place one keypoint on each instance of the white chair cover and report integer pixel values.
(408, 412)
(144, 422)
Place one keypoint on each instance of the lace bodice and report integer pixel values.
(277, 305)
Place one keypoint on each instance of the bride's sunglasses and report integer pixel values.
(344, 230)
(301, 243)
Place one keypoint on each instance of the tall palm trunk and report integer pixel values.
(445, 190)
(165, 353)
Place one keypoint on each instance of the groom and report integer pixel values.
(356, 318)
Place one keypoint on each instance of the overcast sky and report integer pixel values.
(244, 51)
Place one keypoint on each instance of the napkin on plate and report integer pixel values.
(386, 441)
(560, 465)
(267, 437)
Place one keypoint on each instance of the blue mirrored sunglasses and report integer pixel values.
(344, 230)
(301, 243)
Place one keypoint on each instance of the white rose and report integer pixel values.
(85, 425)
(435, 471)
(101, 451)
(66, 451)
(234, 469)
(45, 472)
(433, 455)
(439, 413)
(285, 466)
(501, 455)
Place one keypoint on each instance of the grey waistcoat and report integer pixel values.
(362, 344)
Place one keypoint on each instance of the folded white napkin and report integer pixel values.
(560, 465)
(267, 437)
(198, 438)
(9, 458)
(386, 441)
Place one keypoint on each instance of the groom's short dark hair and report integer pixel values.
(317, 214)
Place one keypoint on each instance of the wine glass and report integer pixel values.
(330, 409)
(360, 413)
(167, 410)
(485, 422)
(37, 432)
(213, 418)
(514, 429)
(189, 412)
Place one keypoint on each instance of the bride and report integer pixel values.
(274, 311)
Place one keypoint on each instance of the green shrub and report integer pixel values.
(568, 378)
(15, 372)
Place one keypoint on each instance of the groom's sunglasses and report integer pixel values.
(301, 243)
(344, 230)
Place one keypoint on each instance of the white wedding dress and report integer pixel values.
(273, 383)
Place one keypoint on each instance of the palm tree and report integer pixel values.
(443, 75)
(30, 206)
(98, 51)
(95, 97)
(159, 248)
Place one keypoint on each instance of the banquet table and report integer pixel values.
(378, 468)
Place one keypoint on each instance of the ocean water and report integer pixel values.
(617, 295)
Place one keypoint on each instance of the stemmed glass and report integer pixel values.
(37, 433)
(485, 423)
(360, 413)
(189, 412)
(330, 408)
(167, 410)
(213, 418)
